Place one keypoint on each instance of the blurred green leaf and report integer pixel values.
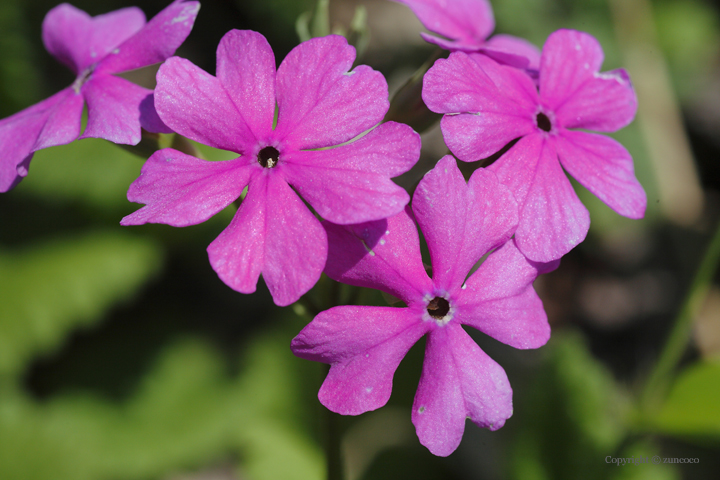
(186, 414)
(603, 218)
(407, 105)
(91, 171)
(50, 289)
(302, 26)
(572, 419)
(689, 34)
(19, 85)
(693, 406)
(359, 34)
(644, 451)
(270, 412)
(320, 22)
(314, 24)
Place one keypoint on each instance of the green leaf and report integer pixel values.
(643, 452)
(320, 23)
(91, 171)
(19, 86)
(187, 413)
(50, 289)
(693, 406)
(574, 416)
(689, 34)
(270, 412)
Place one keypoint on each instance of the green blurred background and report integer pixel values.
(123, 356)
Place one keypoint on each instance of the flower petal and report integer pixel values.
(606, 102)
(496, 104)
(569, 59)
(194, 104)
(517, 168)
(321, 103)
(162, 35)
(384, 255)
(470, 21)
(458, 84)
(467, 46)
(364, 346)
(350, 183)
(246, 69)
(182, 190)
(390, 149)
(604, 167)
(512, 51)
(499, 300)
(553, 220)
(78, 40)
(458, 381)
(273, 232)
(54, 121)
(114, 109)
(344, 196)
(474, 83)
(473, 137)
(149, 119)
(461, 222)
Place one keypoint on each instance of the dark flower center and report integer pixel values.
(438, 307)
(268, 157)
(543, 122)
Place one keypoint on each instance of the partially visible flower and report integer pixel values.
(466, 26)
(95, 48)
(488, 105)
(364, 345)
(322, 106)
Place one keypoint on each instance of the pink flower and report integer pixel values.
(466, 26)
(94, 48)
(364, 345)
(321, 105)
(488, 105)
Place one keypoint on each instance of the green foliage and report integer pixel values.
(572, 419)
(645, 450)
(52, 288)
(187, 413)
(18, 75)
(689, 35)
(316, 23)
(692, 407)
(91, 172)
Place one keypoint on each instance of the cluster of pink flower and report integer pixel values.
(313, 127)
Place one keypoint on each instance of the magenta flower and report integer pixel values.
(466, 26)
(95, 48)
(364, 345)
(488, 105)
(320, 104)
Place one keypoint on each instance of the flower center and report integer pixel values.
(438, 307)
(82, 78)
(543, 122)
(268, 157)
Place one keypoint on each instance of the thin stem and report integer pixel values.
(407, 105)
(149, 144)
(333, 453)
(677, 341)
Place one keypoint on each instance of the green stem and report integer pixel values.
(657, 383)
(407, 105)
(333, 453)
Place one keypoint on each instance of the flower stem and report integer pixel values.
(658, 380)
(333, 453)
